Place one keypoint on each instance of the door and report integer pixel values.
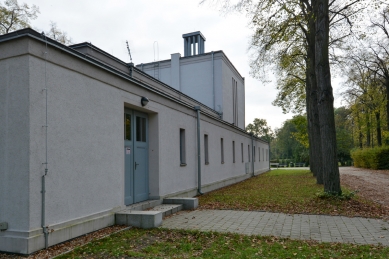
(136, 156)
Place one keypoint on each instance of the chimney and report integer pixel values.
(190, 40)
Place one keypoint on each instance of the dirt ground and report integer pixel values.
(371, 184)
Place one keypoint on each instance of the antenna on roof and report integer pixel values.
(157, 50)
(129, 52)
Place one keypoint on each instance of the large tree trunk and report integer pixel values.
(331, 177)
(360, 135)
(378, 128)
(387, 102)
(368, 134)
(312, 107)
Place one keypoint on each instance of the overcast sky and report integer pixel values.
(108, 24)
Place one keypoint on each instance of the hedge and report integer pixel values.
(374, 158)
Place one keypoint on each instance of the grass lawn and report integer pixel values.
(287, 191)
(162, 243)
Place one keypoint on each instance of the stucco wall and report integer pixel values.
(85, 144)
(14, 143)
(85, 140)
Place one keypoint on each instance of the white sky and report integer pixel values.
(109, 23)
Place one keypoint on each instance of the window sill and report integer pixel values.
(183, 164)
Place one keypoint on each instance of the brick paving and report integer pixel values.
(322, 228)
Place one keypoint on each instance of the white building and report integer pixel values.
(207, 77)
(77, 144)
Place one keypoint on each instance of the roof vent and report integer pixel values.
(193, 43)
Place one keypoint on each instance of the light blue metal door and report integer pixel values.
(136, 157)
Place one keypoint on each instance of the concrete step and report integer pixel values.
(140, 219)
(168, 209)
(188, 203)
(144, 205)
(149, 214)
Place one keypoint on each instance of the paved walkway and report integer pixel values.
(316, 227)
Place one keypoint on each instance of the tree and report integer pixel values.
(260, 129)
(15, 16)
(344, 137)
(331, 177)
(380, 53)
(58, 35)
(288, 140)
(366, 93)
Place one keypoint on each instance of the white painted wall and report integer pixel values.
(85, 140)
(196, 77)
(14, 143)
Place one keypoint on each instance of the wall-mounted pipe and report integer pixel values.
(213, 82)
(252, 152)
(198, 109)
(43, 191)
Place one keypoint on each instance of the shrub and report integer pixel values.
(375, 158)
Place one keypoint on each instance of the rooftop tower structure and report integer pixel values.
(193, 43)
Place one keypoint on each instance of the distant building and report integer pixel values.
(84, 134)
(210, 78)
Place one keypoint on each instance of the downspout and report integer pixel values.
(269, 155)
(213, 82)
(252, 152)
(43, 191)
(197, 109)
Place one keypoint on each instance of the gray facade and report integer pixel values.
(208, 77)
(88, 94)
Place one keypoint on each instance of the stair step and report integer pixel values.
(144, 205)
(149, 214)
(140, 219)
(188, 203)
(168, 209)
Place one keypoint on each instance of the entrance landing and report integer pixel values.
(149, 214)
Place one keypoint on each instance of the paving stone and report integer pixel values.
(318, 227)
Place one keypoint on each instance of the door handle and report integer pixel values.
(136, 165)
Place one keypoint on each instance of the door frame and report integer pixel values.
(131, 179)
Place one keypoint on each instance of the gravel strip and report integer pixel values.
(371, 184)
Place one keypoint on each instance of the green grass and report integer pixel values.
(287, 191)
(162, 243)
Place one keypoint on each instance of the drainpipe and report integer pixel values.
(269, 155)
(252, 151)
(43, 190)
(197, 109)
(213, 82)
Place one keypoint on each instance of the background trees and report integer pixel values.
(260, 129)
(15, 16)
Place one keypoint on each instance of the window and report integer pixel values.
(140, 129)
(127, 126)
(233, 151)
(254, 153)
(222, 150)
(259, 154)
(242, 152)
(263, 154)
(182, 147)
(206, 158)
(235, 101)
(248, 153)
